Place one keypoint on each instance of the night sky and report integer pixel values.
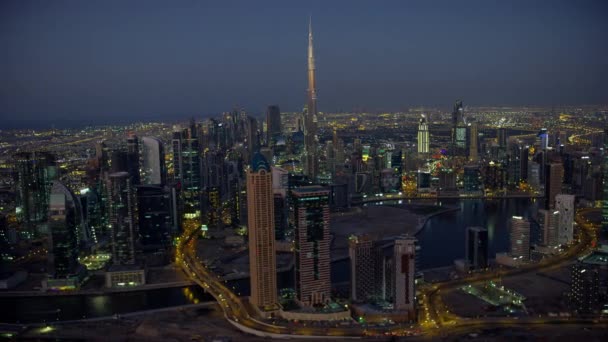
(75, 62)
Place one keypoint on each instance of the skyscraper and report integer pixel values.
(472, 179)
(156, 216)
(423, 136)
(64, 220)
(310, 119)
(187, 169)
(520, 238)
(477, 247)
(553, 183)
(383, 271)
(457, 113)
(260, 216)
(459, 131)
(361, 253)
(564, 204)
(473, 142)
(309, 216)
(123, 218)
(273, 123)
(153, 157)
(550, 220)
(405, 267)
(543, 137)
(253, 141)
(502, 137)
(34, 173)
(584, 288)
(133, 164)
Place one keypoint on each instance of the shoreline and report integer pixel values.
(427, 217)
(96, 292)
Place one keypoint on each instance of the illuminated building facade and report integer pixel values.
(584, 288)
(123, 218)
(520, 238)
(423, 136)
(362, 254)
(34, 174)
(153, 158)
(187, 169)
(262, 257)
(311, 167)
(309, 217)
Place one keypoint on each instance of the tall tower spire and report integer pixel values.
(310, 119)
(312, 88)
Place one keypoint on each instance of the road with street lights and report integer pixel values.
(435, 318)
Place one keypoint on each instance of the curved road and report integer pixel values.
(435, 319)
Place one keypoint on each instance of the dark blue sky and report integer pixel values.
(102, 61)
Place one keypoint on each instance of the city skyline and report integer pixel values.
(470, 222)
(98, 76)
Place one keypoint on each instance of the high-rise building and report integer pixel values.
(64, 219)
(262, 257)
(553, 183)
(383, 271)
(187, 169)
(280, 216)
(520, 238)
(472, 179)
(514, 165)
(543, 137)
(123, 218)
(133, 164)
(309, 217)
(564, 204)
(457, 113)
(361, 253)
(524, 162)
(311, 167)
(92, 209)
(34, 174)
(459, 131)
(473, 142)
(423, 136)
(405, 267)
(273, 123)
(253, 139)
(584, 288)
(502, 137)
(156, 216)
(477, 247)
(534, 173)
(153, 157)
(550, 223)
(280, 183)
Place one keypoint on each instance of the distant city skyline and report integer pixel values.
(74, 63)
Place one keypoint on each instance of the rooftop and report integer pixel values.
(310, 189)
